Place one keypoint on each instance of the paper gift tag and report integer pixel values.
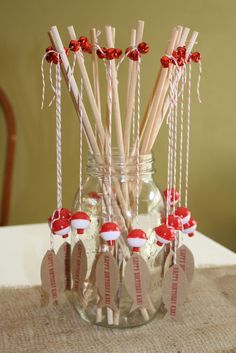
(174, 290)
(64, 258)
(137, 282)
(79, 266)
(184, 257)
(107, 280)
(50, 276)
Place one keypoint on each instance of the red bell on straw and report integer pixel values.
(165, 61)
(80, 221)
(74, 45)
(183, 213)
(190, 227)
(101, 53)
(110, 53)
(195, 57)
(110, 232)
(137, 239)
(143, 48)
(164, 234)
(173, 195)
(118, 53)
(173, 221)
(60, 227)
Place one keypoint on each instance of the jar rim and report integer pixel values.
(121, 166)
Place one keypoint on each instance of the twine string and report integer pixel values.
(81, 145)
(109, 74)
(52, 84)
(183, 81)
(138, 137)
(175, 128)
(188, 134)
(50, 78)
(169, 160)
(58, 135)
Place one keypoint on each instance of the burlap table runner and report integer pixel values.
(209, 323)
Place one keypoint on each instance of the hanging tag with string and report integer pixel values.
(80, 220)
(184, 255)
(52, 281)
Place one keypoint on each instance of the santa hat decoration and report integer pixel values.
(110, 232)
(61, 227)
(173, 196)
(173, 221)
(164, 234)
(80, 221)
(190, 227)
(136, 239)
(183, 213)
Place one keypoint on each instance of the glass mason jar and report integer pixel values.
(95, 198)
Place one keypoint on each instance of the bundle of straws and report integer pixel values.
(98, 134)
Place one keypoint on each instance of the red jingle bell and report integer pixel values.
(74, 45)
(181, 51)
(110, 232)
(55, 57)
(173, 196)
(60, 227)
(143, 48)
(190, 227)
(165, 61)
(85, 45)
(195, 57)
(136, 239)
(101, 53)
(118, 53)
(49, 55)
(80, 221)
(110, 53)
(134, 55)
(173, 221)
(183, 213)
(164, 234)
(82, 41)
(88, 48)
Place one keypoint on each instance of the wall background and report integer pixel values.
(24, 26)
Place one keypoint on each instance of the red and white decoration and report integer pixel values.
(61, 227)
(80, 221)
(190, 227)
(110, 232)
(164, 234)
(136, 239)
(173, 221)
(183, 213)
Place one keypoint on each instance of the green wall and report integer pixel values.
(24, 26)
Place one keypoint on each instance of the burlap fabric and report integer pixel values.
(209, 323)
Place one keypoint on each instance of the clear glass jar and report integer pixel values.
(124, 207)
